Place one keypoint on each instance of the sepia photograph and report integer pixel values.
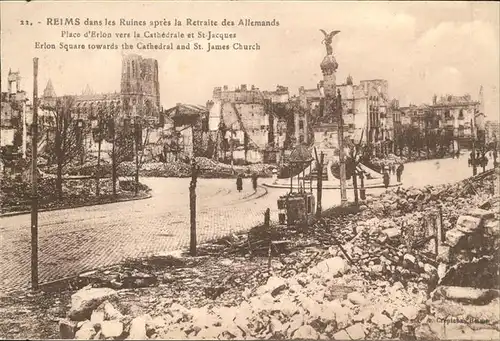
(250, 170)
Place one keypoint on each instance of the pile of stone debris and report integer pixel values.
(365, 281)
(329, 301)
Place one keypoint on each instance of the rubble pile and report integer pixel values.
(329, 301)
(256, 242)
(15, 194)
(363, 289)
(364, 276)
(211, 168)
(391, 159)
(157, 169)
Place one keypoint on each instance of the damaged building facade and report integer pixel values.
(247, 122)
(15, 118)
(460, 117)
(365, 107)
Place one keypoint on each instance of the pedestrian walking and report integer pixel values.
(386, 179)
(399, 172)
(239, 183)
(254, 181)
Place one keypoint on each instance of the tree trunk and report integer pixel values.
(355, 185)
(59, 179)
(136, 188)
(59, 159)
(113, 165)
(319, 185)
(98, 172)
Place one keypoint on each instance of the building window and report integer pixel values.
(301, 124)
(461, 114)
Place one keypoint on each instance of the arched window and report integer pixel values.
(461, 114)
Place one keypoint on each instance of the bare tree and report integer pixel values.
(67, 142)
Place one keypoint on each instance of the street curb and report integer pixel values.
(11, 214)
(334, 187)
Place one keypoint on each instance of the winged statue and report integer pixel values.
(328, 40)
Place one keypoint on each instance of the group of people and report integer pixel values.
(481, 160)
(239, 182)
(392, 168)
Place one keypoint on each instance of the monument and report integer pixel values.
(333, 105)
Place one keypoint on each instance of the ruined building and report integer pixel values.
(15, 115)
(246, 118)
(365, 106)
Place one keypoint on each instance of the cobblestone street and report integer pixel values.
(76, 240)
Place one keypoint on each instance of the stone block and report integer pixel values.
(67, 329)
(305, 332)
(111, 328)
(86, 331)
(381, 321)
(444, 254)
(356, 331)
(454, 237)
(138, 328)
(468, 224)
(84, 301)
(392, 232)
(465, 294)
(481, 214)
(356, 298)
(492, 227)
(341, 335)
(331, 267)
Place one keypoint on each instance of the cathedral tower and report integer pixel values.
(140, 89)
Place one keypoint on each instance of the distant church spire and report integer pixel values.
(49, 90)
(87, 91)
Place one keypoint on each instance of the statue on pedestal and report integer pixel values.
(328, 41)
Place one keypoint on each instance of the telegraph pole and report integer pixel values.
(34, 189)
(340, 128)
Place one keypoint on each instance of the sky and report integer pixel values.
(421, 48)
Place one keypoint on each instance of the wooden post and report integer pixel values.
(267, 218)
(319, 182)
(355, 185)
(437, 235)
(192, 207)
(269, 254)
(473, 158)
(34, 184)
(441, 224)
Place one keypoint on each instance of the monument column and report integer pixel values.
(333, 105)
